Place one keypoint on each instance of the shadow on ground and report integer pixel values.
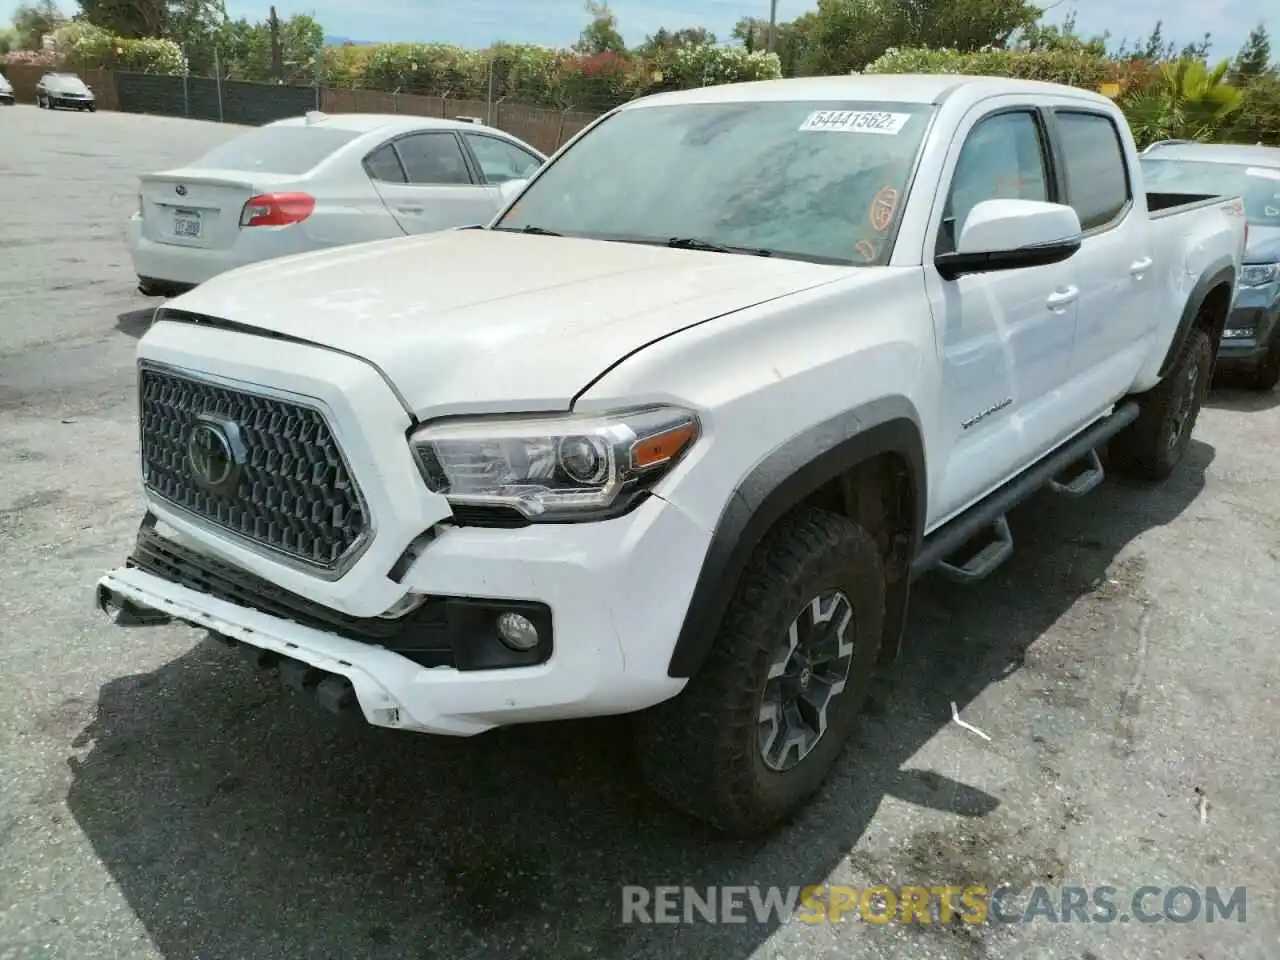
(134, 323)
(237, 822)
(1227, 394)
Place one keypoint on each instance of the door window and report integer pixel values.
(433, 158)
(501, 160)
(1097, 179)
(1002, 159)
(384, 165)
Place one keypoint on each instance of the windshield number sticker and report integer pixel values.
(857, 121)
(883, 207)
(1262, 172)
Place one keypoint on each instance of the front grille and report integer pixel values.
(286, 485)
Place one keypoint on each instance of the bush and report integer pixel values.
(50, 59)
(430, 69)
(1259, 118)
(105, 52)
(1077, 68)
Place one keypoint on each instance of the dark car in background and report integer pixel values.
(64, 90)
(1251, 342)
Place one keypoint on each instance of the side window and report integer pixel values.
(1097, 181)
(384, 165)
(1002, 159)
(433, 158)
(500, 160)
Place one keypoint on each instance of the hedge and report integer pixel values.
(1257, 120)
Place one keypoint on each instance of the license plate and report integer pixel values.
(186, 223)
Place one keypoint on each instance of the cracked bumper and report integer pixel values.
(617, 592)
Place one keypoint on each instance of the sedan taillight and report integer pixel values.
(277, 209)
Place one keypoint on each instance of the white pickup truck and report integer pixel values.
(673, 435)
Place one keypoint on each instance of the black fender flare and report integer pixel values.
(781, 480)
(1219, 272)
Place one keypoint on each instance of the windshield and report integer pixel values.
(287, 150)
(811, 181)
(1259, 187)
(69, 83)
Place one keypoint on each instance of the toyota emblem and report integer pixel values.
(215, 454)
(180, 190)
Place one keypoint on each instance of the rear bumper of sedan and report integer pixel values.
(171, 268)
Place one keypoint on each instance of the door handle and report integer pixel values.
(1062, 298)
(1139, 267)
(410, 210)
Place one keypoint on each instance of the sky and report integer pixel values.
(557, 22)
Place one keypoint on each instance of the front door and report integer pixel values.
(1004, 338)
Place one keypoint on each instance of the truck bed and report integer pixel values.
(1167, 204)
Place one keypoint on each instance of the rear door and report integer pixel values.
(1116, 263)
(430, 186)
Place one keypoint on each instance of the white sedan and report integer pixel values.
(319, 181)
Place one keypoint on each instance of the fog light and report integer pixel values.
(517, 632)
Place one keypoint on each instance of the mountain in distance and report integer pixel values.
(339, 41)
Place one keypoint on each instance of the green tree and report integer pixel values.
(665, 41)
(1046, 38)
(601, 34)
(31, 22)
(1254, 58)
(1190, 101)
(128, 18)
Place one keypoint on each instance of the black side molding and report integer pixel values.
(955, 533)
(779, 482)
(1223, 271)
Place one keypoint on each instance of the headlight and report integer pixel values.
(1259, 274)
(554, 468)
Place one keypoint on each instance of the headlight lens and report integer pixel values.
(1259, 274)
(554, 468)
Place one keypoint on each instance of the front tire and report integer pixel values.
(756, 731)
(1152, 446)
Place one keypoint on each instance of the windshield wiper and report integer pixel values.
(539, 231)
(693, 243)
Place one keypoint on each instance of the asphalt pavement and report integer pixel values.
(159, 799)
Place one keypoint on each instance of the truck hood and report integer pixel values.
(1264, 244)
(487, 321)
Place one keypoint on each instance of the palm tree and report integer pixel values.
(1188, 101)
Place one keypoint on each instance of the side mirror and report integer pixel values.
(509, 188)
(1011, 234)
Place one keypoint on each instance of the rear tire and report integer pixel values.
(811, 605)
(1152, 446)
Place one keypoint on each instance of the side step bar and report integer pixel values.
(1074, 469)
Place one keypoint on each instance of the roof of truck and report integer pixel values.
(920, 88)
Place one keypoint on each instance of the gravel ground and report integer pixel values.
(158, 799)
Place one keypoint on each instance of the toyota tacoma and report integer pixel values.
(675, 432)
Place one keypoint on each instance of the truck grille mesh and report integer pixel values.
(291, 490)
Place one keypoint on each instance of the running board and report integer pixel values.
(1084, 481)
(983, 563)
(985, 516)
